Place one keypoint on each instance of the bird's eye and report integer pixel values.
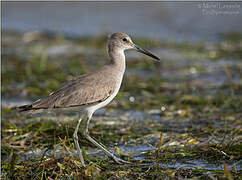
(125, 40)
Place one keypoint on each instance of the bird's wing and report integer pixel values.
(83, 90)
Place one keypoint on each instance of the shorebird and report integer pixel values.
(89, 92)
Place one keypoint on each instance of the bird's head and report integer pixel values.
(123, 42)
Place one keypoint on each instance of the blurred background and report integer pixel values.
(164, 20)
(183, 112)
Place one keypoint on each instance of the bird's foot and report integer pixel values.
(120, 161)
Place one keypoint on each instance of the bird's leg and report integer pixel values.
(75, 137)
(86, 134)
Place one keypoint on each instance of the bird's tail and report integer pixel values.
(23, 108)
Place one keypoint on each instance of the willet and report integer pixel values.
(89, 92)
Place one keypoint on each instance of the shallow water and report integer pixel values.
(136, 153)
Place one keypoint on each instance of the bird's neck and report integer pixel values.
(117, 59)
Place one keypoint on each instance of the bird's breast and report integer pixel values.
(108, 99)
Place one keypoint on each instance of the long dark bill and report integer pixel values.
(139, 49)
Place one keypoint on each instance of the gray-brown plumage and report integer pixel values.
(92, 91)
(88, 89)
